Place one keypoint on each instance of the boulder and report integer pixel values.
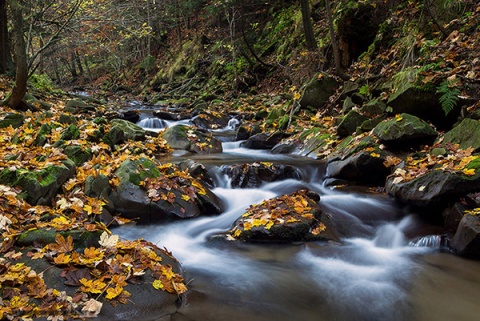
(317, 91)
(262, 141)
(13, 119)
(40, 187)
(78, 154)
(422, 103)
(362, 168)
(434, 189)
(466, 240)
(253, 175)
(78, 106)
(466, 134)
(211, 120)
(158, 193)
(197, 171)
(130, 130)
(349, 123)
(192, 140)
(295, 217)
(405, 130)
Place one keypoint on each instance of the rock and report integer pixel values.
(466, 240)
(40, 187)
(286, 147)
(434, 189)
(288, 218)
(174, 194)
(452, 217)
(405, 131)
(348, 104)
(253, 175)
(210, 120)
(13, 119)
(78, 106)
(115, 136)
(262, 141)
(43, 132)
(374, 108)
(67, 119)
(465, 134)
(317, 91)
(71, 132)
(192, 140)
(130, 130)
(129, 115)
(167, 115)
(197, 171)
(361, 168)
(350, 123)
(78, 154)
(422, 103)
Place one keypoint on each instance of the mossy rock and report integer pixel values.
(405, 131)
(195, 141)
(317, 91)
(81, 237)
(78, 154)
(374, 108)
(465, 134)
(137, 170)
(349, 123)
(41, 139)
(39, 187)
(115, 136)
(77, 106)
(71, 132)
(67, 119)
(130, 130)
(11, 119)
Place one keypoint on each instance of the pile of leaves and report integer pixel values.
(93, 274)
(454, 160)
(282, 210)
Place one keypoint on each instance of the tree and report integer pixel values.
(307, 25)
(14, 99)
(6, 63)
(336, 51)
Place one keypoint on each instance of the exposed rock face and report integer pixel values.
(165, 194)
(466, 240)
(405, 131)
(207, 120)
(192, 140)
(253, 175)
(288, 218)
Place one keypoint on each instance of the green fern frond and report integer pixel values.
(449, 96)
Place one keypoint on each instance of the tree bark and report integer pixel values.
(307, 26)
(14, 99)
(6, 64)
(336, 51)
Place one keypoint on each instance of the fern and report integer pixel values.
(449, 95)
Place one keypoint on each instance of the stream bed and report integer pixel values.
(394, 267)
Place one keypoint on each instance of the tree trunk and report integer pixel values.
(336, 51)
(14, 99)
(6, 64)
(307, 25)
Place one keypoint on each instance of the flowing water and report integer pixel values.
(389, 268)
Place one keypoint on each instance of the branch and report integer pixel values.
(55, 36)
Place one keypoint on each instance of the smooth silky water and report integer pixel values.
(389, 269)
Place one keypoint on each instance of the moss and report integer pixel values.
(78, 154)
(81, 238)
(41, 138)
(137, 170)
(71, 132)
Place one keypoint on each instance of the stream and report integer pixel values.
(394, 267)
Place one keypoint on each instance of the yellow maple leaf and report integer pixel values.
(375, 155)
(62, 259)
(468, 171)
(114, 292)
(269, 225)
(157, 284)
(92, 286)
